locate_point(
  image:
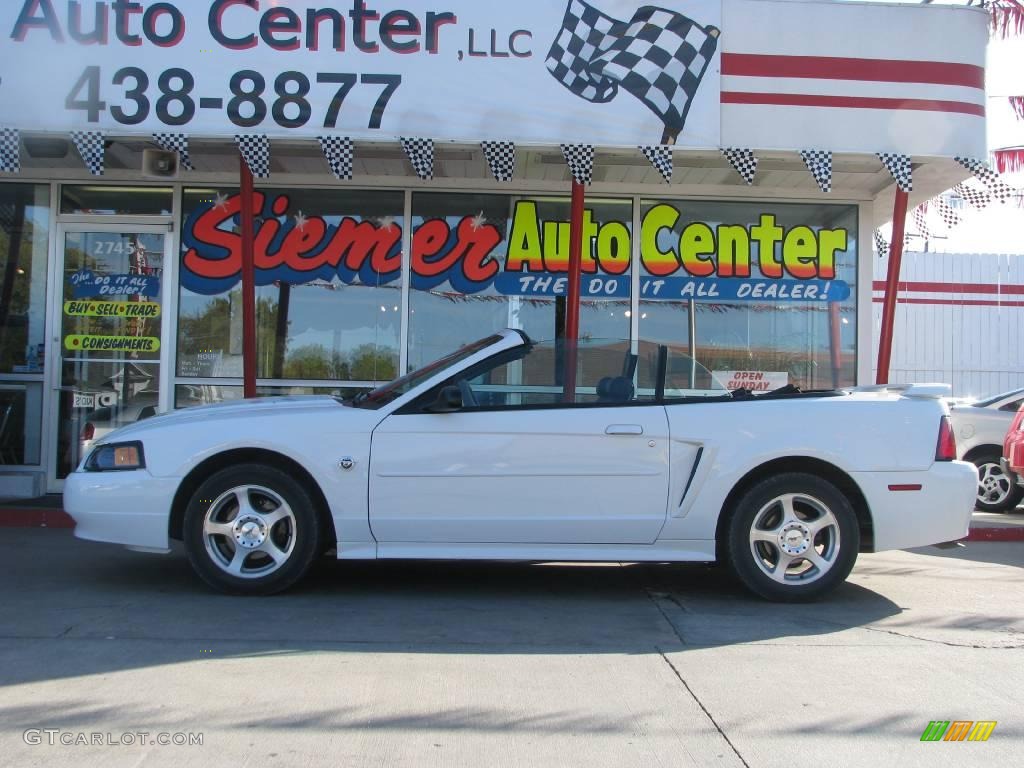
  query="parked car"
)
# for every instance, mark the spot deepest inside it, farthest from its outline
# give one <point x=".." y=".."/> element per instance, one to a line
<point x="492" y="453"/>
<point x="1013" y="451"/>
<point x="980" y="427"/>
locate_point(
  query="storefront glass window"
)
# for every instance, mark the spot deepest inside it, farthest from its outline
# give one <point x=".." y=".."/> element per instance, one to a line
<point x="769" y="290"/>
<point x="24" y="232"/>
<point x="111" y="200"/>
<point x="328" y="277"/>
<point x="481" y="263"/>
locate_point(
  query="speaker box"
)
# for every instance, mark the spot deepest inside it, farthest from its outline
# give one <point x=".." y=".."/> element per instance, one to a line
<point x="158" y="164"/>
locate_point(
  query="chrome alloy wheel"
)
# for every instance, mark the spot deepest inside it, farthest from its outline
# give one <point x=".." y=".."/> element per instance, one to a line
<point x="994" y="486"/>
<point x="249" y="531"/>
<point x="795" y="539"/>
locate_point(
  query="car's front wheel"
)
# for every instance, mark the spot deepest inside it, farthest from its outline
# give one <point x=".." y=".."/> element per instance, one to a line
<point x="251" y="529"/>
<point x="792" y="537"/>
<point x="996" y="490"/>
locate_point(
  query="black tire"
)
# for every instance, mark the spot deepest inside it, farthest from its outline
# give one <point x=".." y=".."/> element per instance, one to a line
<point x="295" y="539"/>
<point x="996" y="491"/>
<point x="836" y="545"/>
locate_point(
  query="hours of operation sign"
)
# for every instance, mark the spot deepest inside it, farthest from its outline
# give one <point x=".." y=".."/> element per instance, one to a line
<point x="538" y="71"/>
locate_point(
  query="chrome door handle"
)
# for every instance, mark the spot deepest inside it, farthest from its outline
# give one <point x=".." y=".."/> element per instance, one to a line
<point x="624" y="429"/>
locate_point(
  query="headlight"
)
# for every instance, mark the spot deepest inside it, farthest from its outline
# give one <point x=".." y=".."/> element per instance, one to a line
<point x="116" y="456"/>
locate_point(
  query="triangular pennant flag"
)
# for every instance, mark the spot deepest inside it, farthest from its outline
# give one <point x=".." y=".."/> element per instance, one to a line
<point x="91" y="147"/>
<point x="501" y="157"/>
<point x="255" y="150"/>
<point x="880" y="245"/>
<point x="175" y="142"/>
<point x="421" y="154"/>
<point x="10" y="150"/>
<point x="743" y="161"/>
<point x="921" y="221"/>
<point x="899" y="167"/>
<point x="660" y="156"/>
<point x="580" y="159"/>
<point x="977" y="198"/>
<point x="819" y="163"/>
<point x="949" y="217"/>
<point x="999" y="188"/>
<point x="340" y="154"/>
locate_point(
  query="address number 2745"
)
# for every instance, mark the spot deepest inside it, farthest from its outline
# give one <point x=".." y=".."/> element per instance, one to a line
<point x="252" y="97"/>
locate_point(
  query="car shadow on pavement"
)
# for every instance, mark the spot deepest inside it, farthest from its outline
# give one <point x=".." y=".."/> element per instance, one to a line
<point x="61" y="589"/>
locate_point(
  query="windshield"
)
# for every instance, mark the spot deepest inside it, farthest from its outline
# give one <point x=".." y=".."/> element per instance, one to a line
<point x="381" y="396"/>
<point x="996" y="398"/>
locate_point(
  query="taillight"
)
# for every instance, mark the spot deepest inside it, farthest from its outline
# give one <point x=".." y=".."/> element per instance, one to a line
<point x="88" y="431"/>
<point x="945" y="449"/>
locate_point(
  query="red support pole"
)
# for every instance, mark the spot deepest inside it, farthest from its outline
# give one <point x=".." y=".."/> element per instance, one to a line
<point x="892" y="280"/>
<point x="572" y="303"/>
<point x="248" y="283"/>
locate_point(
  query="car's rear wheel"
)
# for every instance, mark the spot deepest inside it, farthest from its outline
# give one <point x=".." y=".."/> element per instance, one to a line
<point x="996" y="490"/>
<point x="792" y="537"/>
<point x="251" y="529"/>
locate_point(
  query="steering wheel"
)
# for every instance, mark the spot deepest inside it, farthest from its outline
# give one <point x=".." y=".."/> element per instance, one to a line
<point x="468" y="398"/>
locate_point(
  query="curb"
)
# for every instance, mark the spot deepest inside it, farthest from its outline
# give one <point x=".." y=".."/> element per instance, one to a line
<point x="13" y="517"/>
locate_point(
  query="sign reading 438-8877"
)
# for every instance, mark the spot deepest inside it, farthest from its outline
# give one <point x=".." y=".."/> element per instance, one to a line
<point x="609" y="72"/>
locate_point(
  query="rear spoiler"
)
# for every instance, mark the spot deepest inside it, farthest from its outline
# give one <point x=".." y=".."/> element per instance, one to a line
<point x="934" y="391"/>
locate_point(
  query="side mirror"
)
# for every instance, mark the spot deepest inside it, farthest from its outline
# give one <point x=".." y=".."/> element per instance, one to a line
<point x="449" y="399"/>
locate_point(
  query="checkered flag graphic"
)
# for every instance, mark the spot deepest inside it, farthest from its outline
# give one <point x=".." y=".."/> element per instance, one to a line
<point x="1000" y="190"/>
<point x="899" y="167"/>
<point x="659" y="56"/>
<point x="949" y="217"/>
<point x="91" y="148"/>
<point x="881" y="245"/>
<point x="743" y="161"/>
<point x="255" y="150"/>
<point x="977" y="198"/>
<point x="660" y="156"/>
<point x="10" y="150"/>
<point x="175" y="142"/>
<point x="580" y="159"/>
<point x="920" y="216"/>
<point x="819" y="163"/>
<point x="340" y="154"/>
<point x="421" y="154"/>
<point x="501" y="157"/>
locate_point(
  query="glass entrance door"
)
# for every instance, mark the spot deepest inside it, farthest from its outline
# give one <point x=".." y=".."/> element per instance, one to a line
<point x="110" y="338"/>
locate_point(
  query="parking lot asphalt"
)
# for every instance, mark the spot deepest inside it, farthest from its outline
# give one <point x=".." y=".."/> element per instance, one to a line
<point x="470" y="664"/>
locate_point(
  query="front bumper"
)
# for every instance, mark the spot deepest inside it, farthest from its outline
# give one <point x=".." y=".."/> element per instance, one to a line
<point x="1014" y="477"/>
<point x="939" y="511"/>
<point x="131" y="508"/>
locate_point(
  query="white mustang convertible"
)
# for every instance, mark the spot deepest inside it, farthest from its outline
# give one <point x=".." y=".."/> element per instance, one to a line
<point x="518" y="450"/>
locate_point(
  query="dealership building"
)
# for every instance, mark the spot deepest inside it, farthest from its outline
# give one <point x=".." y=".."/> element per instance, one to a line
<point x="414" y="167"/>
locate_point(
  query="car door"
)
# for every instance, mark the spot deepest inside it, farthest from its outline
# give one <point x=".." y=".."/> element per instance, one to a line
<point x="518" y="464"/>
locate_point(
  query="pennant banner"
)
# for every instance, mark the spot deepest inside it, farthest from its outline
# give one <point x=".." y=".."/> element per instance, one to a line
<point x="921" y="221"/>
<point x="880" y="245"/>
<point x="899" y="167"/>
<point x="580" y="159"/>
<point x="175" y="142"/>
<point x="340" y="154"/>
<point x="977" y="198"/>
<point x="949" y="217"/>
<point x="421" y="154"/>
<point x="501" y="157"/>
<point x="999" y="188"/>
<point x="819" y="163"/>
<point x="660" y="156"/>
<point x="255" y="150"/>
<point x="10" y="150"/>
<point x="743" y="161"/>
<point x="91" y="147"/>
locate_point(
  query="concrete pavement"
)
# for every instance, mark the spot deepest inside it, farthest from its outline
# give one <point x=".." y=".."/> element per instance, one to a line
<point x="507" y="664"/>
